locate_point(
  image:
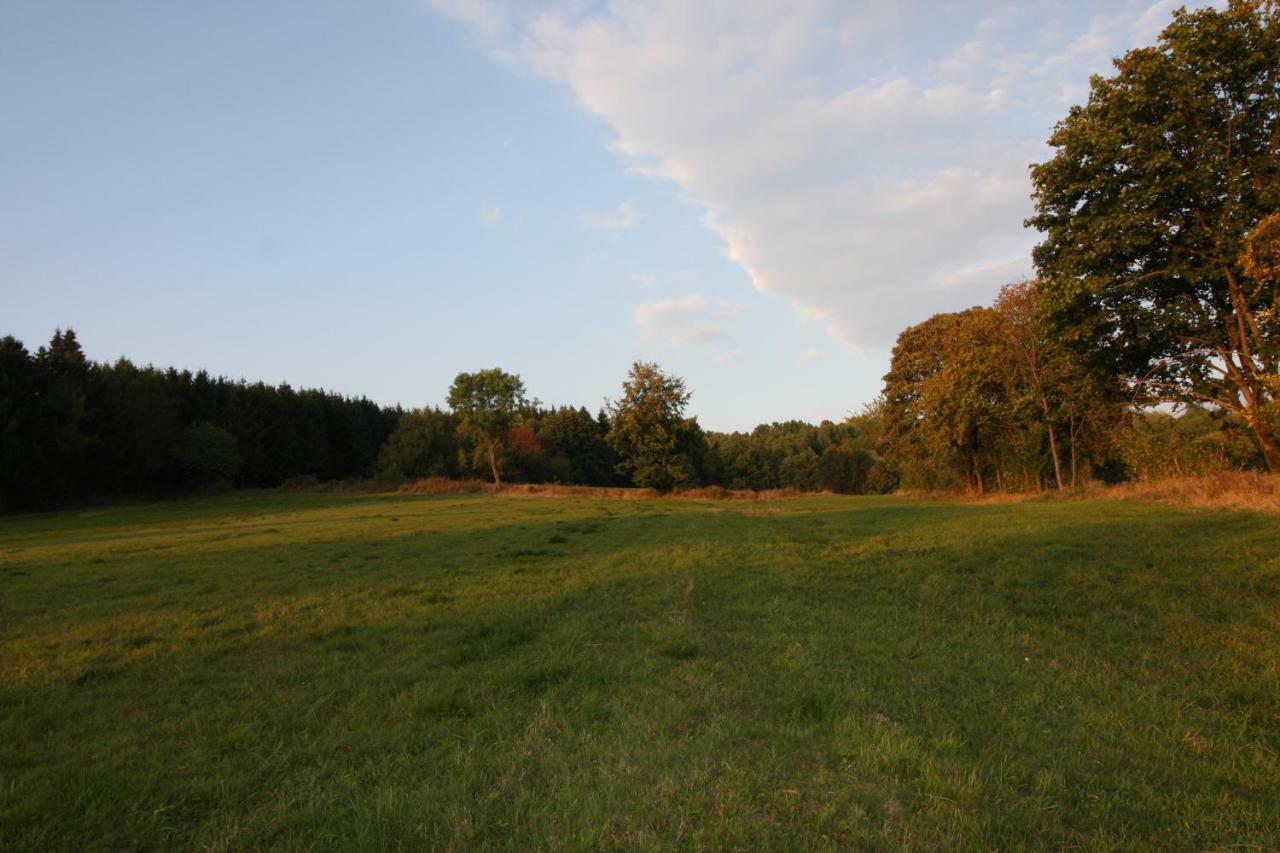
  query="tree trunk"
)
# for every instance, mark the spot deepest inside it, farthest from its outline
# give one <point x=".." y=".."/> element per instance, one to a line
<point x="1057" y="459"/>
<point x="1071" y="429"/>
<point x="1249" y="378"/>
<point x="493" y="464"/>
<point x="1266" y="436"/>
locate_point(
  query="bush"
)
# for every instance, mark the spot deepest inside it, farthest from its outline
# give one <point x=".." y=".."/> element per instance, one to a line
<point x="423" y="444"/>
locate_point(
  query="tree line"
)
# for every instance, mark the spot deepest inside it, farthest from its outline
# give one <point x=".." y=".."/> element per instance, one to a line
<point x="644" y="438"/>
<point x="73" y="431"/>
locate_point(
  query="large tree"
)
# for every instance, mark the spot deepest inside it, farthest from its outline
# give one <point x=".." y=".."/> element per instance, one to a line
<point x="946" y="398"/>
<point x="488" y="404"/>
<point x="1146" y="205"/>
<point x="649" y="431"/>
<point x="1049" y="383"/>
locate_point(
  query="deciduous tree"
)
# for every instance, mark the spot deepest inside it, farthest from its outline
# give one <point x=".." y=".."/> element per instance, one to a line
<point x="488" y="404"/>
<point x="1146" y="204"/>
<point x="648" y="429"/>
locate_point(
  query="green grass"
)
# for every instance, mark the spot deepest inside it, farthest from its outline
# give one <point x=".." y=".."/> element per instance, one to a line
<point x="302" y="670"/>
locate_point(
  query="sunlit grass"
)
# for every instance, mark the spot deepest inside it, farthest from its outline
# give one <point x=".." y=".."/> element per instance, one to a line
<point x="286" y="670"/>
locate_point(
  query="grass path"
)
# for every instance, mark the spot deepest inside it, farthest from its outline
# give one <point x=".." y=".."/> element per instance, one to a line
<point x="294" y="670"/>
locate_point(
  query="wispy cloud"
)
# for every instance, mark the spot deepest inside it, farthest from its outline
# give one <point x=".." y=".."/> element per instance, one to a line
<point x="692" y="319"/>
<point x="866" y="161"/>
<point x="620" y="219"/>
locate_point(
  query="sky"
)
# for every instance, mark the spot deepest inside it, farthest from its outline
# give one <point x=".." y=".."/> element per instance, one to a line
<point x="371" y="197"/>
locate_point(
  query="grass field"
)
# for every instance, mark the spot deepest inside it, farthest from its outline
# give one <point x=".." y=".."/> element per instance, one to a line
<point x="374" y="671"/>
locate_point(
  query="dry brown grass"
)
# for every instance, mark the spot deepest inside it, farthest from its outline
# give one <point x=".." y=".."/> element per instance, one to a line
<point x="1227" y="489"/>
<point x="971" y="498"/>
<point x="444" y="486"/>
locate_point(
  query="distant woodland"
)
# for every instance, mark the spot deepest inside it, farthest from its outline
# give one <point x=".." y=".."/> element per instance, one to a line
<point x="1146" y="347"/>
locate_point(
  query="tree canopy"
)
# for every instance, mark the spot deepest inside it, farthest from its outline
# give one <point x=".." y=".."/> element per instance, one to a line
<point x="488" y="404"/>
<point x="1146" y="206"/>
<point x="649" y="431"/>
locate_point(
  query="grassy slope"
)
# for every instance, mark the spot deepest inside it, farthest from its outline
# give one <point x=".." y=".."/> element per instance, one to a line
<point x="359" y="671"/>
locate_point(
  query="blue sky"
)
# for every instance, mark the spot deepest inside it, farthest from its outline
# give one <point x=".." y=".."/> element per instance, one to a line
<point x="371" y="197"/>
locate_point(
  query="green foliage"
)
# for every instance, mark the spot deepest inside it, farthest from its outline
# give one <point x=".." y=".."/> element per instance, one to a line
<point x="944" y="395"/>
<point x="488" y="403"/>
<point x="797" y="455"/>
<point x="1146" y="204"/>
<point x="207" y="456"/>
<point x="1157" y="445"/>
<point x="656" y="445"/>
<point x="989" y="398"/>
<point x="424" y="444"/>
<point x="577" y="451"/>
<point x="280" y="671"/>
<point x="73" y="431"/>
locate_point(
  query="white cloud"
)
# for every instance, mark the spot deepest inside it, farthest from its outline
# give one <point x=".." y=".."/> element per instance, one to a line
<point x="621" y="219"/>
<point x="692" y="319"/>
<point x="491" y="214"/>
<point x="865" y="161"/>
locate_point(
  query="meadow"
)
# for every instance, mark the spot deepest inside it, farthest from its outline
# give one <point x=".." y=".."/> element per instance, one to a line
<point x="300" y="670"/>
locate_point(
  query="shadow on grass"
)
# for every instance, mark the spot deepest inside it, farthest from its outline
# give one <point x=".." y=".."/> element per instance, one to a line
<point x="1072" y="673"/>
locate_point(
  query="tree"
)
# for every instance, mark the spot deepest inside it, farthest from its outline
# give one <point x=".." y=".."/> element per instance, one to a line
<point x="580" y="453"/>
<point x="1145" y="208"/>
<point x="207" y="455"/>
<point x="945" y="395"/>
<point x="488" y="404"/>
<point x="64" y="426"/>
<point x="23" y="464"/>
<point x="424" y="444"/>
<point x="1049" y="383"/>
<point x="648" y="429"/>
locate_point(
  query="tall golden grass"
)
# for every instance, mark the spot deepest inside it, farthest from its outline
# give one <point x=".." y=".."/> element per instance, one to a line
<point x="1226" y="489"/>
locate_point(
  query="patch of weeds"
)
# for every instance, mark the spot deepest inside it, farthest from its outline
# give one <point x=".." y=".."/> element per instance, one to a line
<point x="558" y="539"/>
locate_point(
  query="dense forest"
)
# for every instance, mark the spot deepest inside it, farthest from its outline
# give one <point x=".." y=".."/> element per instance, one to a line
<point x="1147" y="346"/>
<point x="75" y="431"/>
